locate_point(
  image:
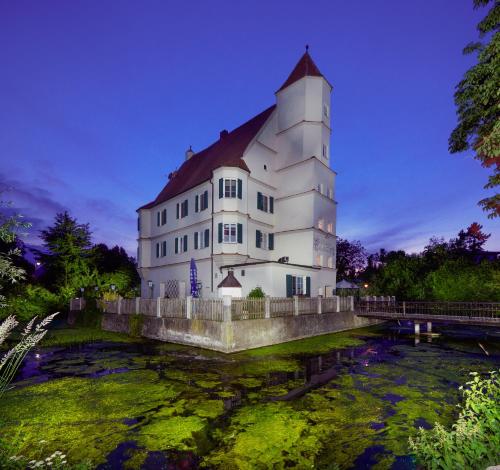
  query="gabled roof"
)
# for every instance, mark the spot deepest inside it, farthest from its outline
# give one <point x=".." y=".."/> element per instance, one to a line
<point x="229" y="281"/>
<point x="227" y="151"/>
<point x="305" y="67"/>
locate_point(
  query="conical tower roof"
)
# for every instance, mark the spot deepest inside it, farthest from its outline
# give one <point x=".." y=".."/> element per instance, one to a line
<point x="305" y="67"/>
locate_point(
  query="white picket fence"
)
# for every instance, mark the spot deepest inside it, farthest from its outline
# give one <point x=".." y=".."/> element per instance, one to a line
<point x="228" y="309"/>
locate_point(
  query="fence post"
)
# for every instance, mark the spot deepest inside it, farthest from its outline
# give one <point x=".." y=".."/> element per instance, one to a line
<point x="351" y="303"/>
<point x="226" y="307"/>
<point x="337" y="303"/>
<point x="80" y="308"/>
<point x="158" y="307"/>
<point x="404" y="308"/>
<point x="295" y="305"/>
<point x="137" y="305"/>
<point x="319" y="304"/>
<point x="119" y="305"/>
<point x="189" y="298"/>
<point x="267" y="307"/>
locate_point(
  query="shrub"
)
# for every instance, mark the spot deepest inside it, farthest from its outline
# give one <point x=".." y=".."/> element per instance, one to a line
<point x="33" y="301"/>
<point x="256" y="293"/>
<point x="474" y="440"/>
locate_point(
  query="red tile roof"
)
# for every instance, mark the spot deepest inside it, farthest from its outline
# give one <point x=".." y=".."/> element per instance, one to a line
<point x="227" y="151"/>
<point x="305" y="67"/>
<point x="229" y="281"/>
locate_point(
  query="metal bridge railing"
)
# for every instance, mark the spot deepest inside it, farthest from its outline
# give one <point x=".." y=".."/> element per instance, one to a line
<point x="451" y="309"/>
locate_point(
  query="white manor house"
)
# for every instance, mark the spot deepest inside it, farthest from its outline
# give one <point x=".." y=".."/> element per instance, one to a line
<point x="255" y="208"/>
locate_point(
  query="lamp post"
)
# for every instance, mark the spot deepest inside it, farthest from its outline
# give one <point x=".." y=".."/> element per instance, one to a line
<point x="150" y="285"/>
<point x="82" y="290"/>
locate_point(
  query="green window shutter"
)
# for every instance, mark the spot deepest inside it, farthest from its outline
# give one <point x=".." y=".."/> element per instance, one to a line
<point x="240" y="233"/>
<point x="260" y="204"/>
<point x="196" y="203"/>
<point x="258" y="238"/>
<point x="207" y="237"/>
<point x="176" y="245"/>
<point x="185" y="242"/>
<point x="271" y="241"/>
<point x="308" y="286"/>
<point x="195" y="240"/>
<point x="289" y="285"/>
<point x="271" y="205"/>
<point x="220" y="232"/>
<point x="240" y="189"/>
<point x="221" y="188"/>
<point x="177" y="211"/>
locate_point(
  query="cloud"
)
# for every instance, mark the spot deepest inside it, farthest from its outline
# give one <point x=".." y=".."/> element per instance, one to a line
<point x="110" y="223"/>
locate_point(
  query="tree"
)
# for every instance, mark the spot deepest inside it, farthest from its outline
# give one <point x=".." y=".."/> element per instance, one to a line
<point x="67" y="243"/>
<point x="10" y="270"/>
<point x="476" y="100"/>
<point x="471" y="240"/>
<point x="351" y="258"/>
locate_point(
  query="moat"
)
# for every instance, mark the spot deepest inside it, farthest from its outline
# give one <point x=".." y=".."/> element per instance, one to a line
<point x="346" y="400"/>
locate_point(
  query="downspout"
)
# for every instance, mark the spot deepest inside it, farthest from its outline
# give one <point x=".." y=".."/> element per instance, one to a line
<point x="212" y="244"/>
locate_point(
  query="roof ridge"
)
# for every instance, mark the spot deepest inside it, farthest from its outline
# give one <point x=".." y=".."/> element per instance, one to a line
<point x="228" y="150"/>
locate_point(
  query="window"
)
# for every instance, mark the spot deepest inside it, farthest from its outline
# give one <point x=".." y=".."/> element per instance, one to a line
<point x="329" y="227"/>
<point x="330" y="193"/>
<point x="230" y="188"/>
<point x="158" y="219"/>
<point x="139" y="223"/>
<point x="325" y="151"/>
<point x="181" y="244"/>
<point x="184" y="208"/>
<point x="265" y="203"/>
<point x="203" y="201"/>
<point x="164" y="216"/>
<point x="242" y="272"/>
<point x="330" y="262"/>
<point x="326" y="110"/>
<point x="265" y="167"/>
<point x="157" y="250"/>
<point x="229" y="233"/>
<point x="298" y="285"/>
<point x="164" y="248"/>
<point x="202" y="239"/>
<point x="321" y="224"/>
<point x="264" y="240"/>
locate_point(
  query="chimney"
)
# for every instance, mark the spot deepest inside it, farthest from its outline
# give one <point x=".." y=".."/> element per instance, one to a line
<point x="189" y="153"/>
<point x="223" y="134"/>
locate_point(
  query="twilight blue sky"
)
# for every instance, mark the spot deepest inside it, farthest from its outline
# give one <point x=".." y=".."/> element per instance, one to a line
<point x="99" y="100"/>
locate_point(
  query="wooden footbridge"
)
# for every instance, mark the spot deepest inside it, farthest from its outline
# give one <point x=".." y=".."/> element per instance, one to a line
<point x="466" y="313"/>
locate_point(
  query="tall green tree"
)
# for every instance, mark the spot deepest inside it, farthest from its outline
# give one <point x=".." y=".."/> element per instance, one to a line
<point x="66" y="256"/>
<point x="477" y="99"/>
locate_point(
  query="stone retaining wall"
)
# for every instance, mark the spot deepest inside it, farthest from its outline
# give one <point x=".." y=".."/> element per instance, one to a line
<point x="238" y="335"/>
